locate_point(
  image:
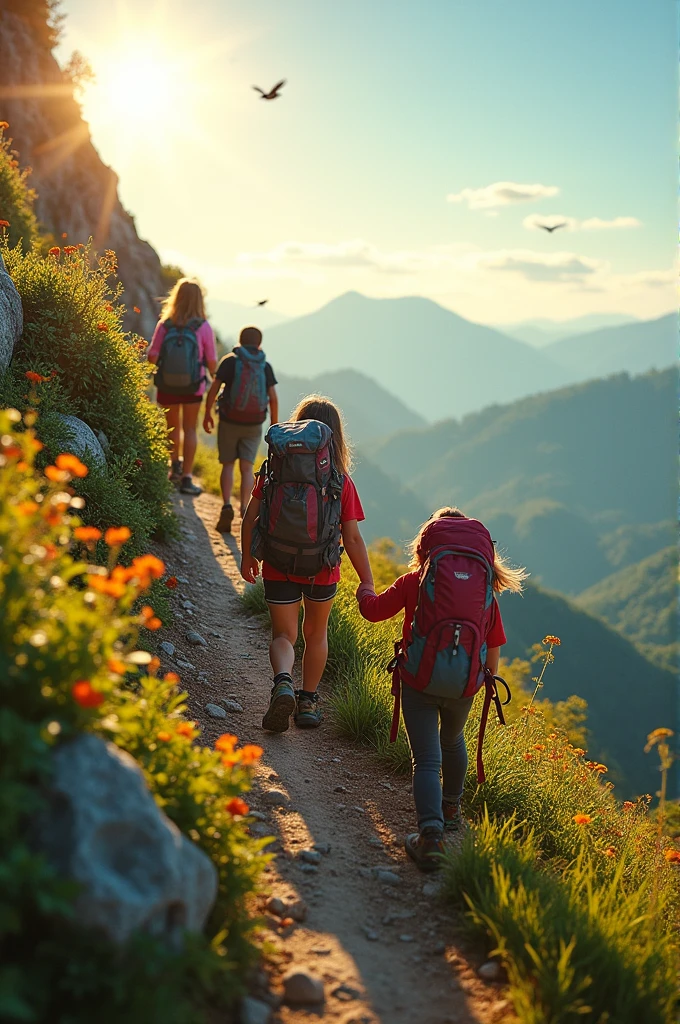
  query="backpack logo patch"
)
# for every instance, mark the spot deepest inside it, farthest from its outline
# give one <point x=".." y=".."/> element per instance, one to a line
<point x="295" y="444"/>
<point x="462" y="575"/>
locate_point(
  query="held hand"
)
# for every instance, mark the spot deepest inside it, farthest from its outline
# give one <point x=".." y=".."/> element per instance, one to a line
<point x="364" y="590"/>
<point x="208" y="423"/>
<point x="250" y="568"/>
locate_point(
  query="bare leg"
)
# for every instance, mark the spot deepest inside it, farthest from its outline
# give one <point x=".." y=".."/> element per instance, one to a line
<point x="247" y="483"/>
<point x="284" y="634"/>
<point x="315" y="632"/>
<point x="190" y="413"/>
<point x="172" y="419"/>
<point x="227" y="481"/>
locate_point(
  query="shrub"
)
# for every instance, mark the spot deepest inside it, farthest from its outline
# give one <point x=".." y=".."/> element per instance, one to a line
<point x="73" y="339"/>
<point x="16" y="198"/>
<point x="68" y="662"/>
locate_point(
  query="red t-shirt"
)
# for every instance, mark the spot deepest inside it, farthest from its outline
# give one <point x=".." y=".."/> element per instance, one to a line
<point x="404" y="594"/>
<point x="350" y="508"/>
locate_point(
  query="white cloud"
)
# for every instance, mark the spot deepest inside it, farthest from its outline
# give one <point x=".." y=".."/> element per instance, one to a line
<point x="354" y="253"/>
<point x="558" y="267"/>
<point x="502" y="193"/>
<point x="534" y="222"/>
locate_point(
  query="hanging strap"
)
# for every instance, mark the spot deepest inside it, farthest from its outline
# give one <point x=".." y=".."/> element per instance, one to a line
<point x="393" y="667"/>
<point x="490" y="694"/>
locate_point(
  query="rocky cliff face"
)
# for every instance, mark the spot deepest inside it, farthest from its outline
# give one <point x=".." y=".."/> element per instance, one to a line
<point x="77" y="192"/>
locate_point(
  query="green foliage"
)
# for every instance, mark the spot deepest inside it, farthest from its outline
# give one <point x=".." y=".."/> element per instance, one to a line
<point x="73" y="337"/>
<point x="68" y="663"/>
<point x="16" y="199"/>
<point x="170" y="275"/>
<point x="207" y="467"/>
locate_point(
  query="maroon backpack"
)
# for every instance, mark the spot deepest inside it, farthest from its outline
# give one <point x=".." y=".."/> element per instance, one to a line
<point x="447" y="653"/>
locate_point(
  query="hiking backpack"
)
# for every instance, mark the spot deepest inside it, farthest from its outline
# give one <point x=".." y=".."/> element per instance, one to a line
<point x="447" y="653"/>
<point x="246" y="400"/>
<point x="298" y="531"/>
<point x="179" y="370"/>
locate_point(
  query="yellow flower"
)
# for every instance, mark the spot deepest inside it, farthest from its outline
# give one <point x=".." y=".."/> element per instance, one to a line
<point x="657" y="736"/>
<point x="672" y="856"/>
<point x="553" y="640"/>
<point x="582" y="819"/>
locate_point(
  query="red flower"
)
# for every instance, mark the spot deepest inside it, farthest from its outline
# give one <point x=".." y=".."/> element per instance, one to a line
<point x="3" y="125"/>
<point x="64" y="234"/>
<point x="135" y="309"/>
<point x="54" y="251"/>
<point x="84" y="694"/>
<point x="35" y="378"/>
<point x="171" y="582"/>
<point x="101" y="326"/>
<point x="70" y="249"/>
<point x="4" y="223"/>
<point x="138" y="462"/>
<point x="237" y="806"/>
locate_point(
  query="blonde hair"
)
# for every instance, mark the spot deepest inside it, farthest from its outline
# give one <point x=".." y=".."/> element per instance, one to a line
<point x="316" y="407"/>
<point x="505" y="577"/>
<point x="185" y="302"/>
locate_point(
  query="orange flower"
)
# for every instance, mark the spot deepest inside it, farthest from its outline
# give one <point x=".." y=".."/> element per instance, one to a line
<point x="11" y="450"/>
<point x="539" y="746"/>
<point x="171" y="582"/>
<point x="55" y="250"/>
<point x="237" y="806"/>
<point x="153" y="624"/>
<point x="599" y="768"/>
<point x="101" y="326"/>
<point x="64" y="234"/>
<point x="87" y="534"/>
<point x="114" y="665"/>
<point x="70" y="249"/>
<point x="57" y="476"/>
<point x="108" y="307"/>
<point x="553" y="640"/>
<point x="610" y="852"/>
<point x="136" y="309"/>
<point x="582" y="819"/>
<point x="35" y="378"/>
<point x="147" y="565"/>
<point x="153" y="666"/>
<point x="147" y="612"/>
<point x="26" y="508"/>
<point x="3" y="125"/>
<point x="72" y="464"/>
<point x="672" y="856"/>
<point x="226" y="742"/>
<point x="578" y="751"/>
<point x="251" y="753"/>
<point x="4" y="223"/>
<point x="84" y="694"/>
<point x="171" y="677"/>
<point x="186" y="729"/>
<point x="106" y="585"/>
<point x="117" y="535"/>
<point x="164" y="737"/>
<point x="628" y="805"/>
<point x="528" y="757"/>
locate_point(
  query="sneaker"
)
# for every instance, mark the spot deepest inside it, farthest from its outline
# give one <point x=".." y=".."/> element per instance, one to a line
<point x="424" y="848"/>
<point x="281" y="705"/>
<point x="453" y="820"/>
<point x="175" y="471"/>
<point x="225" y="520"/>
<point x="308" y="713"/>
<point x="187" y="486"/>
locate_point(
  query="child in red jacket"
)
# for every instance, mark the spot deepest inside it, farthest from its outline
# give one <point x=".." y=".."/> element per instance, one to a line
<point x="434" y="724"/>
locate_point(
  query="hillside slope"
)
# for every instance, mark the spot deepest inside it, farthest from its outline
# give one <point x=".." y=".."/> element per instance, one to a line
<point x="77" y="192"/>
<point x="631" y="348"/>
<point x="627" y="696"/>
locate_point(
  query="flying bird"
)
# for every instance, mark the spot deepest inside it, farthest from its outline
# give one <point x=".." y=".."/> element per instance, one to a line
<point x="553" y="227"/>
<point x="262" y="302"/>
<point x="273" y="94"/>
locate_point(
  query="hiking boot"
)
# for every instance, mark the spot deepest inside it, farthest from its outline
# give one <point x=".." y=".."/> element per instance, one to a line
<point x="225" y="520"/>
<point x="281" y="705"/>
<point x="424" y="848"/>
<point x="175" y="471"/>
<point x="187" y="486"/>
<point x="453" y="820"/>
<point x="308" y="713"/>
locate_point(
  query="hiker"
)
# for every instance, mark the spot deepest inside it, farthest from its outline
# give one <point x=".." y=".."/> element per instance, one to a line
<point x="182" y="347"/>
<point x="304" y="503"/>
<point x="450" y="648"/>
<point x="248" y="390"/>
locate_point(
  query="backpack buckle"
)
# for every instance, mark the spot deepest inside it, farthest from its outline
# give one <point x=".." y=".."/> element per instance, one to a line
<point x="456" y="638"/>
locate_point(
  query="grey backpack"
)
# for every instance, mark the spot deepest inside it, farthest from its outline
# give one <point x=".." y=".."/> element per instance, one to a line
<point x="179" y="369"/>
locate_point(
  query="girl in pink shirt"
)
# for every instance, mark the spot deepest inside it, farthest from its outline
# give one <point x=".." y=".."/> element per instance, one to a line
<point x="183" y="304"/>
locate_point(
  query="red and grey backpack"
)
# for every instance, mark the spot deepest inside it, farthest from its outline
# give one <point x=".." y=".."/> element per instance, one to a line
<point x="447" y="653"/>
<point x="245" y="401"/>
<point x="298" y="531"/>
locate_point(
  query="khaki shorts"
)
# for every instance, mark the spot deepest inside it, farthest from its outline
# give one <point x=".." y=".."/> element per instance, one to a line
<point x="238" y="441"/>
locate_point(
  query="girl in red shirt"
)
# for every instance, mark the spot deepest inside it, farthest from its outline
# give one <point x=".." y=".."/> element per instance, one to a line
<point x="284" y="593"/>
<point x="435" y="725"/>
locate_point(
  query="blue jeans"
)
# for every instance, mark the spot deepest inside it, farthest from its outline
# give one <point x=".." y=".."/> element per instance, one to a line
<point x="434" y="726"/>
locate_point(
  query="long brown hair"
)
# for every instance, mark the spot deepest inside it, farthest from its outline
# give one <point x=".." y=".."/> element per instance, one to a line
<point x="505" y="576"/>
<point x="185" y="302"/>
<point x="316" y="407"/>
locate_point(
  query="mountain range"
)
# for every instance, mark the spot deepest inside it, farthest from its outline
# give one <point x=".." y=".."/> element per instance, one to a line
<point x="542" y="332"/>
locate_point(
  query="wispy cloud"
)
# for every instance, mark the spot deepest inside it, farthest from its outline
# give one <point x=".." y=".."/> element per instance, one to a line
<point x="538" y="266"/>
<point x="501" y="193"/>
<point x="535" y="221"/>
<point x="353" y="253"/>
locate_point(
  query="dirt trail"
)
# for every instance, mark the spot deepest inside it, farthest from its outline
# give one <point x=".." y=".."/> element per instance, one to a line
<point x="385" y="948"/>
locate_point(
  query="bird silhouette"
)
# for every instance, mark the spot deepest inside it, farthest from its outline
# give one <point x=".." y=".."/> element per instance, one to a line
<point x="262" y="302"/>
<point x="273" y="94"/>
<point x="553" y="227"/>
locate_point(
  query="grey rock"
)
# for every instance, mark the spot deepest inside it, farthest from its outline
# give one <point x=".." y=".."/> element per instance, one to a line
<point x="260" y="830"/>
<point x="189" y="605"/>
<point x="254" y="1011"/>
<point x="345" y="993"/>
<point x="340" y="789"/>
<point x="370" y="934"/>
<point x="359" y="810"/>
<point x="195" y="639"/>
<point x="258" y="815"/>
<point x="309" y="856"/>
<point x="374" y="841"/>
<point x="406" y="938"/>
<point x="11" y="317"/>
<point x="233" y="705"/>
<point x="297" y="910"/>
<point x="215" y="711"/>
<point x="431" y="888"/>
<point x="385" y="876"/>
<point x="490" y="971"/>
<point x="167" y="648"/>
<point x="183" y="580"/>
<point x="102" y="828"/>
<point x="301" y="987"/>
<point x="324" y="848"/>
<point x="273" y="797"/>
<point x="275" y="906"/>
<point x="82" y="441"/>
<point x="309" y="869"/>
<point x="182" y="663"/>
<point x="321" y="950"/>
<point x="398" y="915"/>
<point x="104" y="441"/>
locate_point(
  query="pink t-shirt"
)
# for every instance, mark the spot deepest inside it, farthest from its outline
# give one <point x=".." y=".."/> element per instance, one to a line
<point x="207" y="353"/>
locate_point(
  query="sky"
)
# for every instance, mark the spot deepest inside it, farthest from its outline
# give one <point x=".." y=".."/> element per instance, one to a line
<point x="413" y="150"/>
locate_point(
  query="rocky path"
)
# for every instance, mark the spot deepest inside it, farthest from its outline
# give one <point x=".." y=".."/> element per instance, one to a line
<point x="364" y="932"/>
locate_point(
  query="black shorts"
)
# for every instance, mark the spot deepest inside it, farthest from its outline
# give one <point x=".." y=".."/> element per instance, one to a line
<point x="288" y="592"/>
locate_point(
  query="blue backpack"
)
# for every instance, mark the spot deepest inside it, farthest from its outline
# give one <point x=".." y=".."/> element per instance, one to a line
<point x="179" y="369"/>
<point x="246" y="400"/>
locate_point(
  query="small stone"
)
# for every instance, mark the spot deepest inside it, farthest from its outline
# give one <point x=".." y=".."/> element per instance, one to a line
<point x="217" y="635"/>
<point x="259" y="829"/>
<point x="297" y="910"/>
<point x="398" y="915"/>
<point x="273" y="797"/>
<point x="254" y="1011"/>
<point x="323" y="848"/>
<point x="370" y="934"/>
<point x="337" y="760"/>
<point x="385" y="876"/>
<point x="167" y="648"/>
<point x="276" y="906"/>
<point x="406" y="938"/>
<point x="340" y="789"/>
<point x="189" y="605"/>
<point x="309" y="856"/>
<point x="387" y="785"/>
<point x="490" y="971"/>
<point x="195" y="639"/>
<point x="373" y="841"/>
<point x="257" y="815"/>
<point x="246" y="657"/>
<point x="359" y="810"/>
<point x="346" y="993"/>
<point x="431" y="889"/>
<point x="181" y="663"/>
<point x="302" y="987"/>
<point x="183" y="580"/>
<point x="215" y="711"/>
<point x="233" y="705"/>
<point x="309" y="869"/>
<point x="321" y="950"/>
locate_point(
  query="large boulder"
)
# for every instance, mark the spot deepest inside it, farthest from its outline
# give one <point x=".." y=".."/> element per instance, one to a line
<point x="102" y="828"/>
<point x="11" y="317"/>
<point x="83" y="441"/>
